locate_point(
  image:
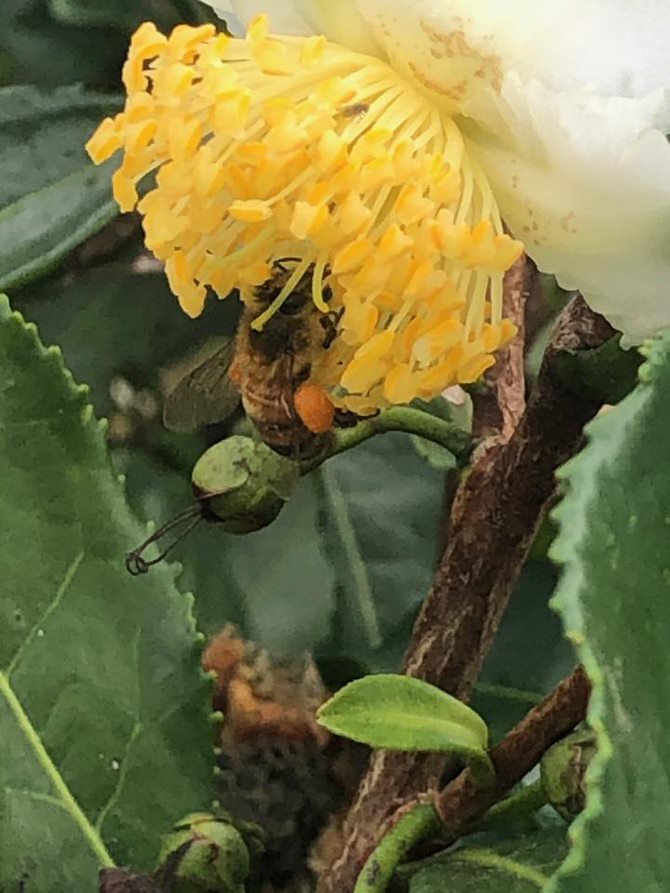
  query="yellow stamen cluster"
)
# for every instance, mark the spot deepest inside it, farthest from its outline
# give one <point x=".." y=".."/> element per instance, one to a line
<point x="266" y="148"/>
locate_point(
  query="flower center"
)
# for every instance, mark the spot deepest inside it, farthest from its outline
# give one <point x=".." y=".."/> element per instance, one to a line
<point x="267" y="148"/>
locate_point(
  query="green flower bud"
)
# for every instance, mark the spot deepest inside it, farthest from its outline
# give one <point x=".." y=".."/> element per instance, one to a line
<point x="243" y="483"/>
<point x="204" y="855"/>
<point x="562" y="770"/>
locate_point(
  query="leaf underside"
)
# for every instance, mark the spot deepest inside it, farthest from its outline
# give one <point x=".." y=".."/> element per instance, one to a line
<point x="614" y="599"/>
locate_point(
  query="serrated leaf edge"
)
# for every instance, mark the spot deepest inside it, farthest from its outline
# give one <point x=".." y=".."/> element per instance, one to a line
<point x="562" y="551"/>
<point x="98" y="427"/>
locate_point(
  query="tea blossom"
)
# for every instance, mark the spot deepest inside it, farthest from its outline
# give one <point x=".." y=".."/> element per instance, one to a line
<point x="382" y="144"/>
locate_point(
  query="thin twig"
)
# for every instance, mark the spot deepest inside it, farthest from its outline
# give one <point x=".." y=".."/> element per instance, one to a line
<point x="462" y="801"/>
<point x="414" y="824"/>
<point x="495" y="515"/>
<point x="398" y="418"/>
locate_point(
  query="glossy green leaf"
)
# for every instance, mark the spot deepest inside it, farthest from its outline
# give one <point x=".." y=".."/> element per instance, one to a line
<point x="51" y="196"/>
<point x="403" y="713"/>
<point x="614" y="598"/>
<point x="128" y="14"/>
<point x="103" y="708"/>
<point x="43" y="51"/>
<point x="487" y="864"/>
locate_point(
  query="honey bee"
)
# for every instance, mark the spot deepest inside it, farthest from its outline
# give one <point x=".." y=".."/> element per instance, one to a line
<point x="268" y="370"/>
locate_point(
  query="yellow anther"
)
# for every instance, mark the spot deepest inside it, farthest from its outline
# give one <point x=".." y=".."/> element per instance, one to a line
<point x="184" y="40"/>
<point x="147" y="42"/>
<point x="308" y="219"/>
<point x="133" y="76"/>
<point x="105" y="141"/>
<point x="313" y="50"/>
<point x="250" y="211"/>
<point x="474" y="368"/>
<point x="359" y="322"/>
<point x="353" y="214"/>
<point x="124" y="191"/>
<point x="393" y="243"/>
<point x="255" y="155"/>
<point x="412" y="206"/>
<point x="351" y="255"/>
<point x="433" y="342"/>
<point x="400" y="384"/>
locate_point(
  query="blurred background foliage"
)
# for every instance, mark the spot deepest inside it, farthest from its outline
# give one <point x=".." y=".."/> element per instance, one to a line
<point x="343" y="571"/>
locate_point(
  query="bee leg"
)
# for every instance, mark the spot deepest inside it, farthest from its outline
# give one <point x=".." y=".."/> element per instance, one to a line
<point x="330" y="322"/>
<point x="345" y="418"/>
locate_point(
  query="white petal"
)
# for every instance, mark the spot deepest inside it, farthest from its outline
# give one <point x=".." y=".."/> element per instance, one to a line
<point x="339" y="20"/>
<point x="284" y="16"/>
<point x="611" y="47"/>
<point x="586" y="186"/>
<point x="570" y="102"/>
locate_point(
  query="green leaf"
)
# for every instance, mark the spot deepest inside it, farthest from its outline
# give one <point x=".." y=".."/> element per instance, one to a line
<point x="614" y="598"/>
<point x="113" y="321"/>
<point x="404" y="713"/>
<point x="276" y="584"/>
<point x="124" y="14"/>
<point x="529" y="655"/>
<point x="487" y="864"/>
<point x="128" y="14"/>
<point x="51" y="196"/>
<point x="342" y="570"/>
<point x="381" y="511"/>
<point x="103" y="707"/>
<point x="46" y="52"/>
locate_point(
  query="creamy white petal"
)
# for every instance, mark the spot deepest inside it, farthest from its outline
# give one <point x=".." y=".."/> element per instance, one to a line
<point x="610" y="47"/>
<point x="585" y="183"/>
<point x="339" y="20"/>
<point x="284" y="16"/>
<point x="568" y="106"/>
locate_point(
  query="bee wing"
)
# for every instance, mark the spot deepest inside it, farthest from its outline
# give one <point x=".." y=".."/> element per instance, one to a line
<point x="203" y="396"/>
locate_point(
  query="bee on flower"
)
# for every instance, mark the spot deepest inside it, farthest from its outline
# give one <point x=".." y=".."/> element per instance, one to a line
<point x="381" y="145"/>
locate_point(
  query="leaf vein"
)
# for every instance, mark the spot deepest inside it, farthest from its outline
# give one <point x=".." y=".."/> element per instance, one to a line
<point x="58" y="597"/>
<point x="123" y="772"/>
<point x="359" y="572"/>
<point x="491" y="859"/>
<point x="52" y="773"/>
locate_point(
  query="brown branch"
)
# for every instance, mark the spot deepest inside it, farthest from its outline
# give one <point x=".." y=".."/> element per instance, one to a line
<point x="497" y="412"/>
<point x="495" y="515"/>
<point x="461" y="802"/>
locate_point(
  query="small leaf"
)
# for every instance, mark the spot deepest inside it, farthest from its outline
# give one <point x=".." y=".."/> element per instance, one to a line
<point x="614" y="599"/>
<point x="51" y="196"/>
<point x="103" y="706"/>
<point x="404" y="713"/>
<point x="488" y="864"/>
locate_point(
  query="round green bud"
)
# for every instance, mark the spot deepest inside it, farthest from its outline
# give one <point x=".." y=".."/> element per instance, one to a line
<point x="243" y="483"/>
<point x="562" y="771"/>
<point x="204" y="855"/>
